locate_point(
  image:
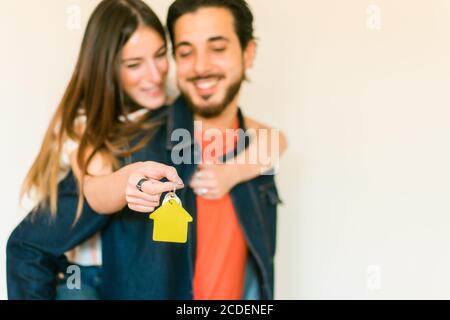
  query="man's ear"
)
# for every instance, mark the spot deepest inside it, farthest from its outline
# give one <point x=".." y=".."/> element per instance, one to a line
<point x="250" y="54"/>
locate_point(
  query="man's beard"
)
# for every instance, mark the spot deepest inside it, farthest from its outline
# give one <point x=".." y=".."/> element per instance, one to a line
<point x="215" y="110"/>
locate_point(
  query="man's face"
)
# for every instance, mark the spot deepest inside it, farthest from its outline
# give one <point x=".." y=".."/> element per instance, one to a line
<point x="210" y="61"/>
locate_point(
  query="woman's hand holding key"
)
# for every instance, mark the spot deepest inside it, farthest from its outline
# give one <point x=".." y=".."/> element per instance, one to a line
<point x="144" y="188"/>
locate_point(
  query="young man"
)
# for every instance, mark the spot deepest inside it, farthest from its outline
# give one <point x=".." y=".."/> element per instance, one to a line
<point x="231" y="245"/>
<point x="214" y="45"/>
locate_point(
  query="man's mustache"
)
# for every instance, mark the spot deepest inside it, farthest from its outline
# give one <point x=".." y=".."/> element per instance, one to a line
<point x="206" y="77"/>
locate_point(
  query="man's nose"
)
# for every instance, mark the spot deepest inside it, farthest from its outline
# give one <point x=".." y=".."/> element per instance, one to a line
<point x="202" y="63"/>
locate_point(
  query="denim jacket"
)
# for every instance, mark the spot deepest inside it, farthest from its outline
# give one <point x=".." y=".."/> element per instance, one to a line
<point x="134" y="266"/>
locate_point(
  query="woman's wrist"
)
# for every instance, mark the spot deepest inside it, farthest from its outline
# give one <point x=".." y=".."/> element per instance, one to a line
<point x="238" y="173"/>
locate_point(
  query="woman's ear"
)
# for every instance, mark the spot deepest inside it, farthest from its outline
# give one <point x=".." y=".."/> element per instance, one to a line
<point x="250" y="54"/>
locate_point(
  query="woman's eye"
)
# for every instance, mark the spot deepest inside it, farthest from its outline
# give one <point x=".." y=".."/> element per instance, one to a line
<point x="219" y="49"/>
<point x="161" y="55"/>
<point x="133" y="66"/>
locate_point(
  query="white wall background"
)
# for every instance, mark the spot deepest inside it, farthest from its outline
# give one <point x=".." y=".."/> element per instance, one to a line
<point x="366" y="182"/>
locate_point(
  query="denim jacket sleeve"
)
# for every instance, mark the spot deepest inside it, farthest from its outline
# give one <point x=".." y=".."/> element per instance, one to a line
<point x="35" y="249"/>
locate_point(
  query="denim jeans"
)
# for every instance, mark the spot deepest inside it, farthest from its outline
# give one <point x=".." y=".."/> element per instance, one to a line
<point x="89" y="286"/>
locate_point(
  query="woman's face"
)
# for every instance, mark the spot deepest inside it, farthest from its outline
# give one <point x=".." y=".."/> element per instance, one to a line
<point x="144" y="67"/>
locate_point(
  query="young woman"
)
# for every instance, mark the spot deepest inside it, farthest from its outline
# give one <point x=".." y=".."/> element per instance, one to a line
<point x="111" y="101"/>
<point x="117" y="82"/>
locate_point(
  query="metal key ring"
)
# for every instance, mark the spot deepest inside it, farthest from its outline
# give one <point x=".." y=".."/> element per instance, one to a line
<point x="171" y="196"/>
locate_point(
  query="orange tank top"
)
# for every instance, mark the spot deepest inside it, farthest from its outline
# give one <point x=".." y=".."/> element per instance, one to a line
<point x="221" y="246"/>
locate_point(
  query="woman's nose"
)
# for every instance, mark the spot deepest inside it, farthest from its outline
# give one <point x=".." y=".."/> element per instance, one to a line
<point x="153" y="74"/>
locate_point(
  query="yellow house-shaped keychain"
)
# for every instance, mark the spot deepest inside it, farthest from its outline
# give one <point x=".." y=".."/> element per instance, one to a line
<point x="171" y="222"/>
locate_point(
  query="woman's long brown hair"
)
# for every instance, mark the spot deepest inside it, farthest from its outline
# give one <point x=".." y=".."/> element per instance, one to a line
<point x="95" y="92"/>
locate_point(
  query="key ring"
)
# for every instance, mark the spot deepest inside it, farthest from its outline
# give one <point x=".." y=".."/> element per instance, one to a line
<point x="172" y="196"/>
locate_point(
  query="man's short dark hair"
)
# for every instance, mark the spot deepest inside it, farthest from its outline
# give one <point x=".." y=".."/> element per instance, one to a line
<point x="243" y="17"/>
